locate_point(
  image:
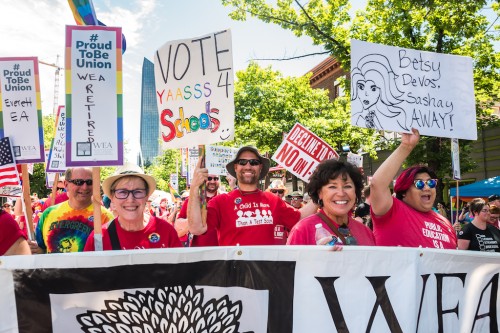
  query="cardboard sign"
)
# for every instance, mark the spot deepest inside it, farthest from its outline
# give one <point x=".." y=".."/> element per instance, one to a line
<point x="302" y="151"/>
<point x="21" y="108"/>
<point x="397" y="89"/>
<point x="94" y="124"/>
<point x="194" y="90"/>
<point x="217" y="157"/>
<point x="56" y="162"/>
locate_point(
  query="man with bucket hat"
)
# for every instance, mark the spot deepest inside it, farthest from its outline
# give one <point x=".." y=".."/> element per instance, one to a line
<point x="246" y="215"/>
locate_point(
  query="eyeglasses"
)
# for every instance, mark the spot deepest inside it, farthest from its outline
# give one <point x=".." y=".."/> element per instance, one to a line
<point x="80" y="182"/>
<point x="420" y="184"/>
<point x="212" y="178"/>
<point x="297" y="199"/>
<point x="278" y="191"/>
<point x="123" y="194"/>
<point x="253" y="162"/>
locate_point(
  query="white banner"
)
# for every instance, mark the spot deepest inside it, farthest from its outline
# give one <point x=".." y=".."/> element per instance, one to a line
<point x="21" y="108"/>
<point x="252" y="289"/>
<point x="397" y="89"/>
<point x="195" y="90"/>
<point x="301" y="151"/>
<point x="94" y="120"/>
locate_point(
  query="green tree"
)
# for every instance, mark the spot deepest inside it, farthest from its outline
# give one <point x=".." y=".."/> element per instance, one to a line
<point x="163" y="166"/>
<point x="268" y="105"/>
<point x="445" y="26"/>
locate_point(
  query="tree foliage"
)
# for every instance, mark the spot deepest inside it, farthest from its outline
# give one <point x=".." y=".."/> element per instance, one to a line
<point x="268" y="105"/>
<point x="165" y="165"/>
<point x="458" y="27"/>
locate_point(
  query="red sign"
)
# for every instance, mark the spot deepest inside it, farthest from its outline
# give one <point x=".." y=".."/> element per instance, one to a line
<point x="302" y="151"/>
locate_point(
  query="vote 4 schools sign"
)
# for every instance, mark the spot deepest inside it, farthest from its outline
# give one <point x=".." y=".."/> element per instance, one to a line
<point x="94" y="121"/>
<point x="259" y="289"/>
<point x="195" y="90"/>
<point x="301" y="151"/>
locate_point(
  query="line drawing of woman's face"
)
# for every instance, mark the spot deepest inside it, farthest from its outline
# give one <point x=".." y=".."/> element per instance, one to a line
<point x="368" y="93"/>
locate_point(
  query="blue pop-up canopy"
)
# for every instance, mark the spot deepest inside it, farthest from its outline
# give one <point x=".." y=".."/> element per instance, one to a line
<point x="481" y="189"/>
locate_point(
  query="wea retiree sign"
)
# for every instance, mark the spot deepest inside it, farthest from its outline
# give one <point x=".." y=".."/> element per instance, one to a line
<point x="94" y="123"/>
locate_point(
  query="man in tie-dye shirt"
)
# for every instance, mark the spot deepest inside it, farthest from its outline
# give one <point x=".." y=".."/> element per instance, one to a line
<point x="65" y="227"/>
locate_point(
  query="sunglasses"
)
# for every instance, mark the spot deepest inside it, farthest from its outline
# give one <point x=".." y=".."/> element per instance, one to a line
<point x="278" y="191"/>
<point x="420" y="184"/>
<point x="213" y="178"/>
<point x="80" y="182"/>
<point x="253" y="162"/>
<point x="123" y="194"/>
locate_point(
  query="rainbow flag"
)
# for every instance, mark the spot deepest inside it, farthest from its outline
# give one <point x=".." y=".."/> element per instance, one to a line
<point x="173" y="192"/>
<point x="84" y="14"/>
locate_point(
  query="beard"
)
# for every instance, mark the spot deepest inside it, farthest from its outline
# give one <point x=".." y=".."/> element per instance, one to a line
<point x="212" y="188"/>
<point x="248" y="180"/>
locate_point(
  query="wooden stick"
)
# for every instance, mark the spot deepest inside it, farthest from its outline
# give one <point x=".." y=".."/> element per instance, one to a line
<point x="203" y="188"/>
<point x="27" y="200"/>
<point x="96" y="200"/>
<point x="52" y="200"/>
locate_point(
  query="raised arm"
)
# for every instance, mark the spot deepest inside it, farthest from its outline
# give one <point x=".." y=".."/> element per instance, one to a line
<point x="196" y="223"/>
<point x="381" y="198"/>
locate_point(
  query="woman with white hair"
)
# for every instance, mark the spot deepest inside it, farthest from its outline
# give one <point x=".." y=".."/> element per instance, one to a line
<point x="129" y="190"/>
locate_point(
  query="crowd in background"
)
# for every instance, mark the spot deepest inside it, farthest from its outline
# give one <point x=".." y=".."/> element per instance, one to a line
<point x="338" y="209"/>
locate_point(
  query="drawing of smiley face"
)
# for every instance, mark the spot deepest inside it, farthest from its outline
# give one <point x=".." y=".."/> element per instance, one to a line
<point x="225" y="134"/>
<point x="368" y="93"/>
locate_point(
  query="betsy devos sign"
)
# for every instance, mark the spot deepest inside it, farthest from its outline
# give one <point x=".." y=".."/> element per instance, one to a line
<point x="252" y="289"/>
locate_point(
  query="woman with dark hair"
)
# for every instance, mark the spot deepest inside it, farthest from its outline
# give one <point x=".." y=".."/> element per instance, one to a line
<point x="479" y="235"/>
<point x="408" y="219"/>
<point x="336" y="186"/>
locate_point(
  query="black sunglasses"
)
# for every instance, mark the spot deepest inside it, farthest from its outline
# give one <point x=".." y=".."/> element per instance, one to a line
<point x="253" y="161"/>
<point x="80" y="182"/>
<point x="214" y="178"/>
<point x="278" y="191"/>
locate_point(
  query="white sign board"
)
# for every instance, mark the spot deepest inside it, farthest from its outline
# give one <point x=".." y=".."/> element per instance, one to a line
<point x="301" y="151"/>
<point x="397" y="89"/>
<point x="194" y="90"/>
<point x="355" y="159"/>
<point x="94" y="121"/>
<point x="217" y="157"/>
<point x="21" y="109"/>
<point x="56" y="161"/>
<point x="455" y="159"/>
<point x="174" y="181"/>
<point x="193" y="154"/>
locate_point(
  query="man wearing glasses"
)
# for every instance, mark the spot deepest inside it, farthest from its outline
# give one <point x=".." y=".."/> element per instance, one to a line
<point x="65" y="227"/>
<point x="246" y="215"/>
<point x="210" y="237"/>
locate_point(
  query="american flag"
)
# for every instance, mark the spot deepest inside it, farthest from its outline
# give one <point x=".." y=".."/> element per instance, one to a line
<point x="8" y="170"/>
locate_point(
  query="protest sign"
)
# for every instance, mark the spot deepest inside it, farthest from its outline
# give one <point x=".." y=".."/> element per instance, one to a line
<point x="94" y="123"/>
<point x="397" y="89"/>
<point x="216" y="158"/>
<point x="355" y="159"/>
<point x="194" y="90"/>
<point x="302" y="151"/>
<point x="174" y="181"/>
<point x="455" y="159"/>
<point x="21" y="108"/>
<point x="285" y="289"/>
<point x="56" y="162"/>
<point x="193" y="154"/>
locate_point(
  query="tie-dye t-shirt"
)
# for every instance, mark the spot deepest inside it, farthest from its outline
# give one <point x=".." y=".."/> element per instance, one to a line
<point x="63" y="229"/>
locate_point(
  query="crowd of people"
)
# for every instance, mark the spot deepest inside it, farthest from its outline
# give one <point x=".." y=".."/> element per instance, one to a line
<point x="337" y="203"/>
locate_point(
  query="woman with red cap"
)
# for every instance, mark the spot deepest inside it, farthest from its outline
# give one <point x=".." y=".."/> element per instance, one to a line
<point x="408" y="219"/>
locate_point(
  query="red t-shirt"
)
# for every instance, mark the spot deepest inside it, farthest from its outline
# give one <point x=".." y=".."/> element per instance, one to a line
<point x="304" y="232"/>
<point x="250" y="218"/>
<point x="157" y="234"/>
<point x="405" y="226"/>
<point x="9" y="232"/>
<point x="209" y="238"/>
